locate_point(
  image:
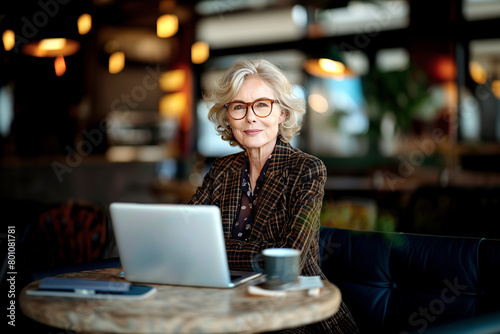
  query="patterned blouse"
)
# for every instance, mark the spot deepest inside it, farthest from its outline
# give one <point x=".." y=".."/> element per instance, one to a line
<point x="249" y="201"/>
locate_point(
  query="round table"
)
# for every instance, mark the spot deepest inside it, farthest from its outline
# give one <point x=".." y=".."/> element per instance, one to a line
<point x="180" y="309"/>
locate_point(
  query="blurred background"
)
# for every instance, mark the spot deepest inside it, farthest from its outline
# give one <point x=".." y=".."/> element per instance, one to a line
<point x="102" y="101"/>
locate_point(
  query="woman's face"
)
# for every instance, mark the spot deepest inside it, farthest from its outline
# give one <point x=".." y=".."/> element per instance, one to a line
<point x="251" y="131"/>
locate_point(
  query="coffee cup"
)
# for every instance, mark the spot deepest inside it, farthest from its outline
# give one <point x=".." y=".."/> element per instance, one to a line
<point x="281" y="267"/>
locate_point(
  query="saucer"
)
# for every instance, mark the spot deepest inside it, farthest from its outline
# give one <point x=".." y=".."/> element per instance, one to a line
<point x="275" y="286"/>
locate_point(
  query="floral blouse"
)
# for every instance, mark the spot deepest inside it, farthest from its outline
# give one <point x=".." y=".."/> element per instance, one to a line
<point x="249" y="201"/>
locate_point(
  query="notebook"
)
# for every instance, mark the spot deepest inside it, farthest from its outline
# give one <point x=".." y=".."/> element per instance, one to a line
<point x="173" y="244"/>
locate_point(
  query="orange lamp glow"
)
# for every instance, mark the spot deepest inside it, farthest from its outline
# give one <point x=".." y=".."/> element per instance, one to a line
<point x="167" y="25"/>
<point x="327" y="68"/>
<point x="477" y="73"/>
<point x="173" y="80"/>
<point x="51" y="47"/>
<point x="116" y="62"/>
<point x="200" y="51"/>
<point x="84" y="24"/>
<point x="173" y="105"/>
<point x="60" y="66"/>
<point x="331" y="66"/>
<point x="9" y="39"/>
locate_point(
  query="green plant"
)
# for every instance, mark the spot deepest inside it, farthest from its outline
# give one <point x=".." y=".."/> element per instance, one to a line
<point x="401" y="92"/>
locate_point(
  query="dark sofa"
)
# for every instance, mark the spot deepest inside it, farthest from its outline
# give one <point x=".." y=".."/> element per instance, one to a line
<point x="399" y="282"/>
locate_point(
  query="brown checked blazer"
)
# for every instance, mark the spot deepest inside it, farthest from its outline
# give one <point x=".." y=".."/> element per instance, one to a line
<point x="287" y="215"/>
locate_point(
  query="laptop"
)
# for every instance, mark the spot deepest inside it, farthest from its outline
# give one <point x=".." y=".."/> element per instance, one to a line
<point x="174" y="244"/>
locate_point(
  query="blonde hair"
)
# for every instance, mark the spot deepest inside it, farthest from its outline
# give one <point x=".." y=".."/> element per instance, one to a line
<point x="229" y="85"/>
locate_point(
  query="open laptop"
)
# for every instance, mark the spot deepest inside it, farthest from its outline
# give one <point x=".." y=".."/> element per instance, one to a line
<point x="173" y="244"/>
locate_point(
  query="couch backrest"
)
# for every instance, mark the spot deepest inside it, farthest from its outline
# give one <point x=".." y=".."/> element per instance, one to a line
<point x="397" y="282"/>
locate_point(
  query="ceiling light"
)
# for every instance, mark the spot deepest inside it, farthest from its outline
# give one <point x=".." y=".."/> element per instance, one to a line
<point x="52" y="44"/>
<point x="116" y="62"/>
<point x="167" y="25"/>
<point x="51" y="47"/>
<point x="173" y="80"/>
<point x="173" y="105"/>
<point x="330" y="64"/>
<point x="200" y="51"/>
<point x="9" y="39"/>
<point x="84" y="23"/>
<point x="327" y="68"/>
<point x="478" y="73"/>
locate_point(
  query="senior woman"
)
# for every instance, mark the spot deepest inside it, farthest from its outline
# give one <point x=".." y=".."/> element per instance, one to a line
<point x="270" y="194"/>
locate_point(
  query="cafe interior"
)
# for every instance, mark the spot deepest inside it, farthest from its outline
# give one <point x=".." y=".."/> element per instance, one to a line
<point x="101" y="101"/>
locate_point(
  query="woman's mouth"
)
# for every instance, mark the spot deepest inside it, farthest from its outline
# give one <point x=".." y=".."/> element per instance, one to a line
<point x="252" y="132"/>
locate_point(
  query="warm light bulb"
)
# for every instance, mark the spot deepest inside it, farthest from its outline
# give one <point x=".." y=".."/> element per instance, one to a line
<point x="200" y="51"/>
<point x="173" y="105"/>
<point x="318" y="103"/>
<point x="477" y="73"/>
<point x="52" y="44"/>
<point x="172" y="80"/>
<point x="167" y="25"/>
<point x="60" y="66"/>
<point x="9" y="39"/>
<point x="84" y="23"/>
<point x="116" y="62"/>
<point x="331" y="66"/>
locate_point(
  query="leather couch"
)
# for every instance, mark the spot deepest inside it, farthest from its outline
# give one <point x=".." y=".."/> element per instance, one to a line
<point x="401" y="283"/>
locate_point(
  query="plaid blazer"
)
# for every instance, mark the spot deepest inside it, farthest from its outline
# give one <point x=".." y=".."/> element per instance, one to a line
<point x="287" y="214"/>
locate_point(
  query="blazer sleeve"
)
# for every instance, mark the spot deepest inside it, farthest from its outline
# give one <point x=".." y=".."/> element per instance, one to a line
<point x="297" y="226"/>
<point x="204" y="193"/>
<point x="209" y="191"/>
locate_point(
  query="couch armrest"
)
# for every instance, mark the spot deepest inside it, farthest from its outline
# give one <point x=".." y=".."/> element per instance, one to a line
<point x="481" y="324"/>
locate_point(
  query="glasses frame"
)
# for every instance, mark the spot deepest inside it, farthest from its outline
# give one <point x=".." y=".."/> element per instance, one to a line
<point x="250" y="104"/>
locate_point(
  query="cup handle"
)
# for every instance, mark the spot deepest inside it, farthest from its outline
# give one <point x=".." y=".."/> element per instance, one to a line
<point x="256" y="263"/>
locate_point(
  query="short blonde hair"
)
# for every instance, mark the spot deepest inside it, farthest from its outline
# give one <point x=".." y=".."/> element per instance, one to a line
<point x="229" y="85"/>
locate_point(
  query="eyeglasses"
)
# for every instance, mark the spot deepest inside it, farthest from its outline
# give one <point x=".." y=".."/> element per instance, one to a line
<point x="261" y="108"/>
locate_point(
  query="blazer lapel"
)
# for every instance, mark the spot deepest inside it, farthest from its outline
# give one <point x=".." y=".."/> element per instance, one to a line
<point x="231" y="195"/>
<point x="274" y="185"/>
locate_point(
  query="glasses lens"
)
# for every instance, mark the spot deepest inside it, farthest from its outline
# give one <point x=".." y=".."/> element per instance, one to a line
<point x="262" y="108"/>
<point x="237" y="110"/>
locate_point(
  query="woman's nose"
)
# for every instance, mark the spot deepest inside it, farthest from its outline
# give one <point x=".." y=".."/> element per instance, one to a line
<point x="250" y="117"/>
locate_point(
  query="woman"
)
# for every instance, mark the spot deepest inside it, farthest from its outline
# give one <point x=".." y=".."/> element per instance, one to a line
<point x="270" y="195"/>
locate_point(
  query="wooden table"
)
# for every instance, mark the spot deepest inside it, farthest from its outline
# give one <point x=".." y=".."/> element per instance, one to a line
<point x="177" y="309"/>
